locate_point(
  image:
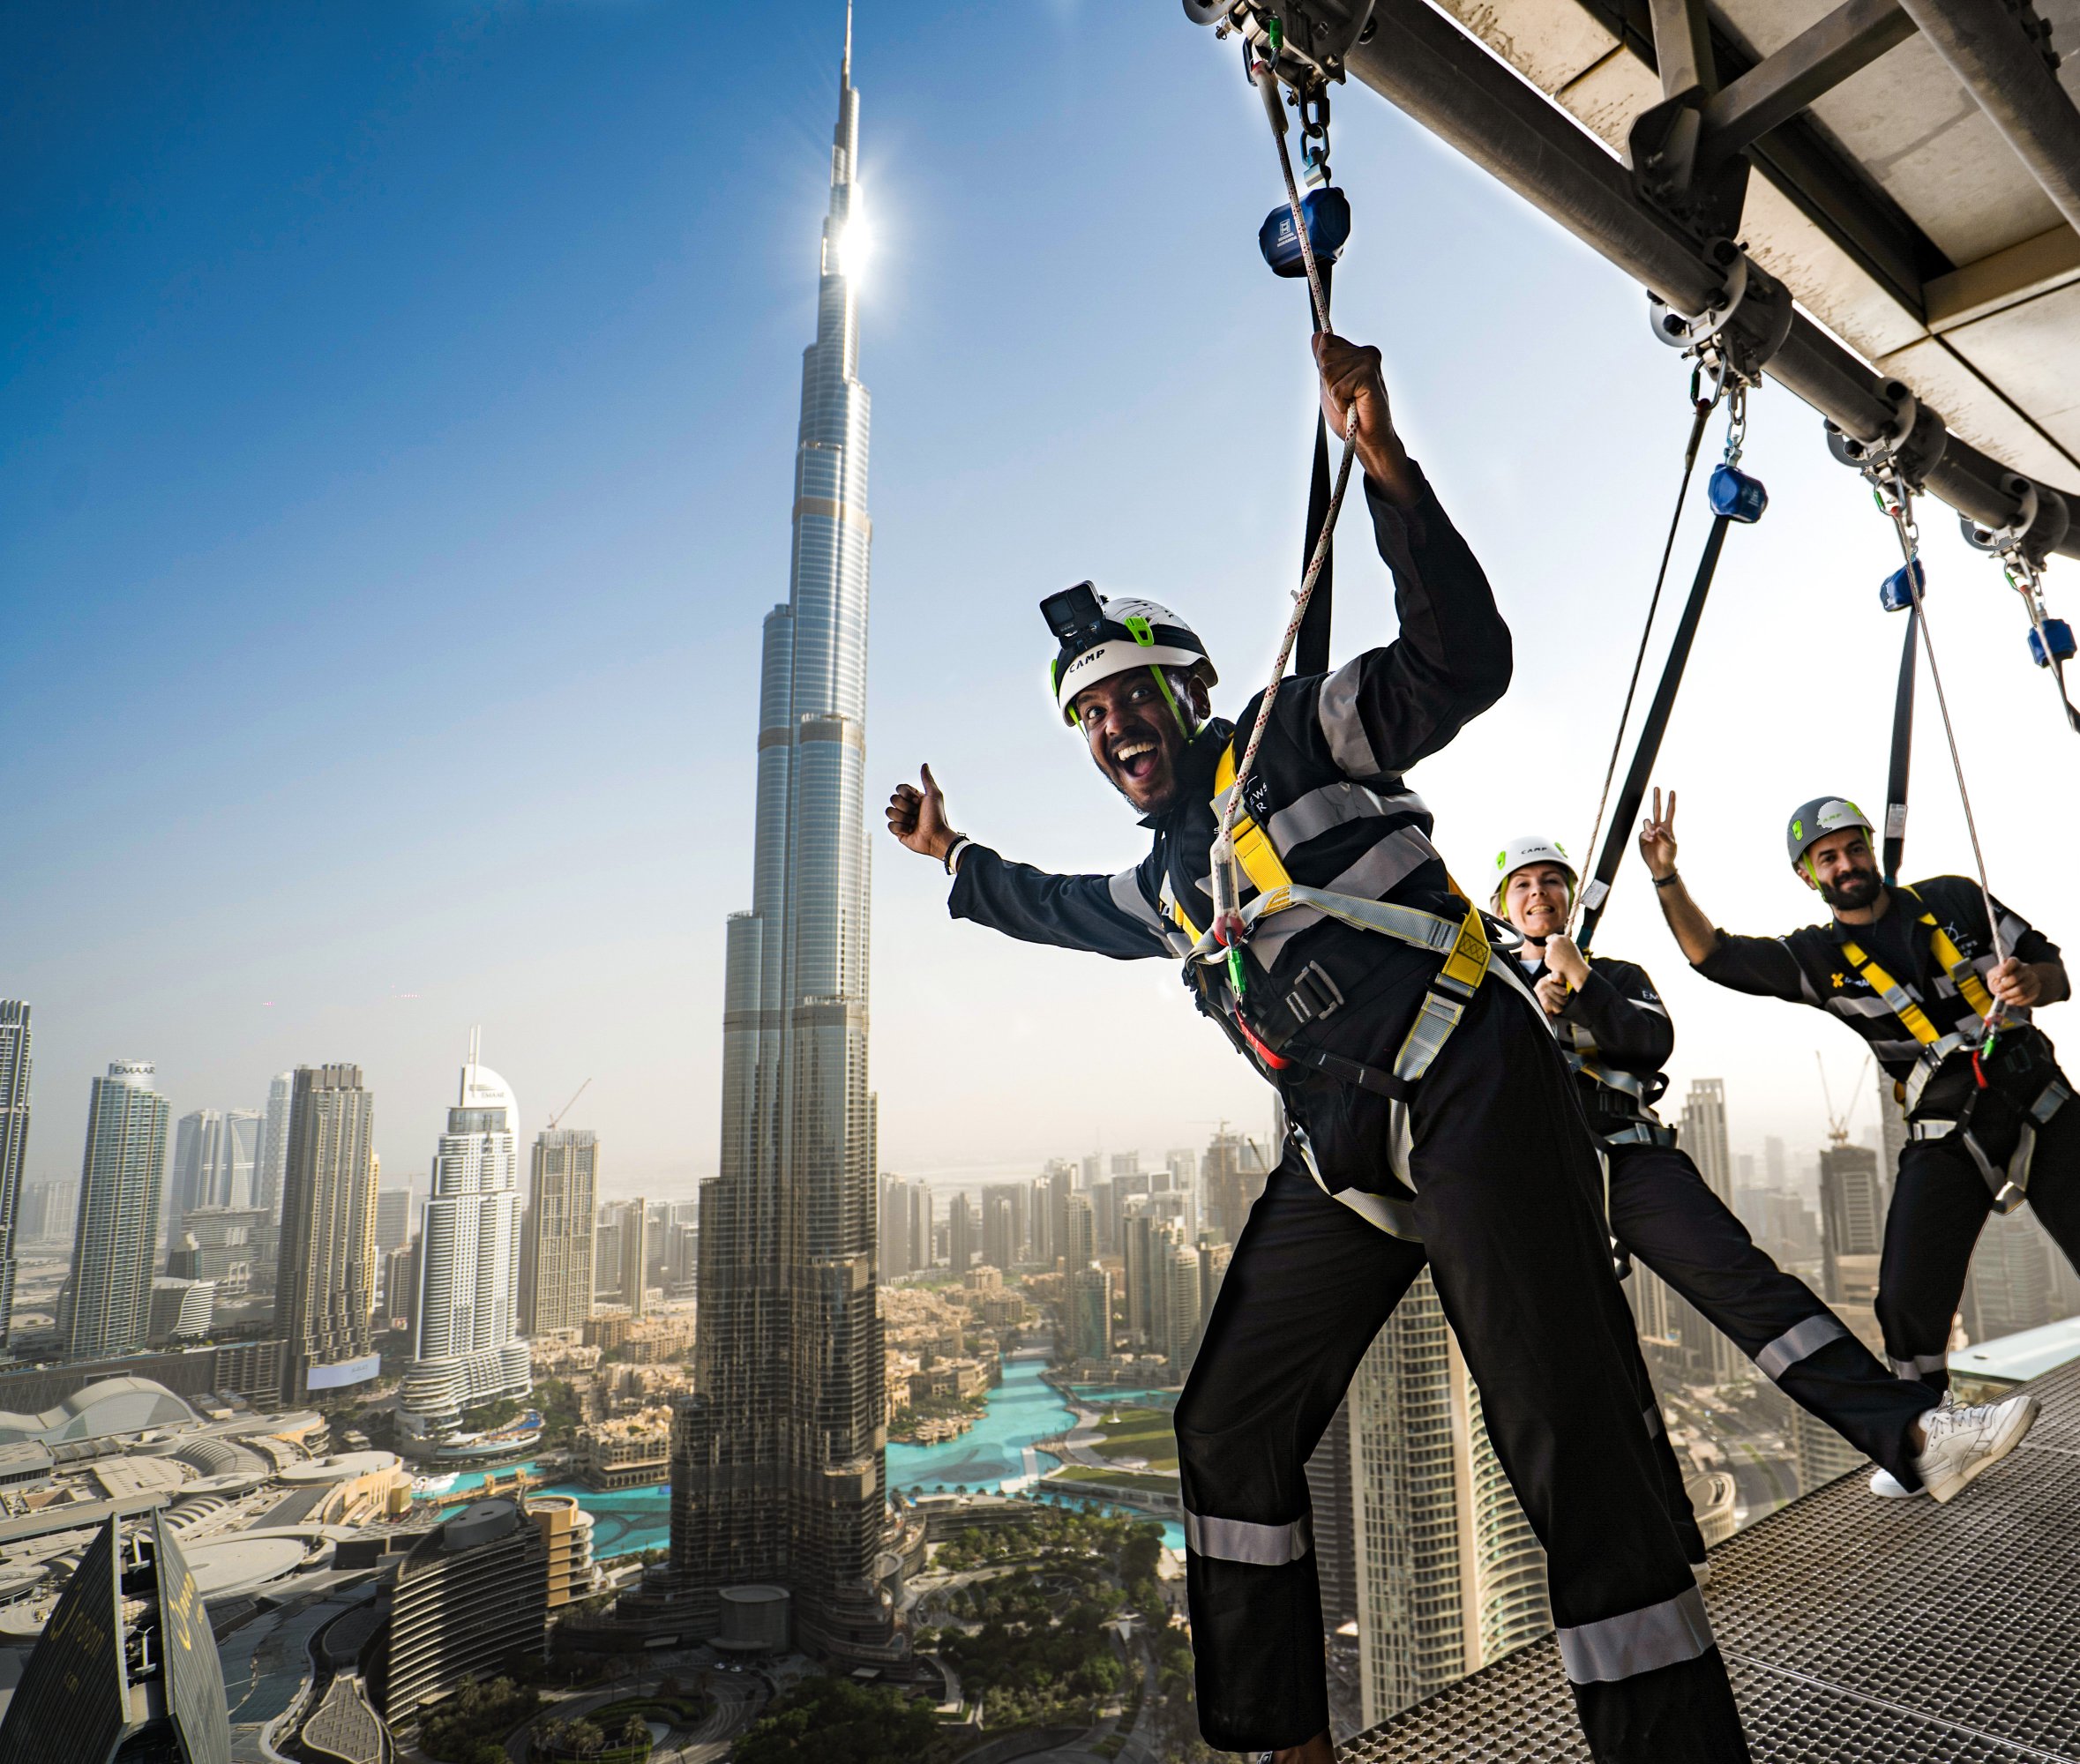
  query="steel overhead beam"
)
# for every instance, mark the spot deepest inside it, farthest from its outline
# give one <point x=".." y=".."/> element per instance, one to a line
<point x="1426" y="67"/>
<point x="1816" y="61"/>
<point x="2002" y="66"/>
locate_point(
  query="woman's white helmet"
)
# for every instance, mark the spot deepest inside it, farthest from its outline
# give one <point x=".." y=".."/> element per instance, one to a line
<point x="1522" y="853"/>
<point x="1101" y="636"/>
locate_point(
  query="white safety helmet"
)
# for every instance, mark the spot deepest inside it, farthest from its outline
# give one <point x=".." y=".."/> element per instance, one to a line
<point x="1101" y="636"/>
<point x="1522" y="853"/>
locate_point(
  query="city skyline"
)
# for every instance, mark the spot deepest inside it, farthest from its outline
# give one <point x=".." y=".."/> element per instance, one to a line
<point x="334" y="407"/>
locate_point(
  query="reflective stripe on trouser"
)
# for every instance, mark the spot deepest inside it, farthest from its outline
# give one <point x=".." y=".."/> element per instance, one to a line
<point x="1636" y="1641"/>
<point x="1242" y="1540"/>
<point x="1939" y="1204"/>
<point x="1665" y="1214"/>
<point x="1504" y="1174"/>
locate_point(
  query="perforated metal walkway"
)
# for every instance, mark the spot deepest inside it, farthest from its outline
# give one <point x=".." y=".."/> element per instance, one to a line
<point x="1857" y="1631"/>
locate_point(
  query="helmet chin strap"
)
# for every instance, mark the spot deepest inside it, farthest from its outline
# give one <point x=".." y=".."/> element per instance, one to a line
<point x="1170" y="698"/>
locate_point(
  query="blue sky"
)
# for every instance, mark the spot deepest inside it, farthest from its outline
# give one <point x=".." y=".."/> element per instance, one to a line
<point x="395" y="470"/>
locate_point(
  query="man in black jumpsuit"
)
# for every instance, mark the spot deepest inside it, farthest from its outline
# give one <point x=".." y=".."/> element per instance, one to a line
<point x="1482" y="1156"/>
<point x="1616" y="1034"/>
<point x="1913" y="971"/>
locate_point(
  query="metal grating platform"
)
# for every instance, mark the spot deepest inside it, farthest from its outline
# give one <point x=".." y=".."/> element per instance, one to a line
<point x="1857" y="1631"/>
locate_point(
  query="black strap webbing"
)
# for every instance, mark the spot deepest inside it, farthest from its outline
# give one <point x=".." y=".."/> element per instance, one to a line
<point x="1627" y="813"/>
<point x="1312" y="649"/>
<point x="1902" y="753"/>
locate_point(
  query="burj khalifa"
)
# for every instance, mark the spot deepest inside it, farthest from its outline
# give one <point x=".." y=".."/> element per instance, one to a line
<point x="777" y="1464"/>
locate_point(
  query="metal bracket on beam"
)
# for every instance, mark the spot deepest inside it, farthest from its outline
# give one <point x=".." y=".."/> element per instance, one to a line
<point x="1743" y="323"/>
<point x="2041" y="521"/>
<point x="1686" y="151"/>
<point x="1911" y="441"/>
<point x="1815" y="62"/>
<point x="1306" y="39"/>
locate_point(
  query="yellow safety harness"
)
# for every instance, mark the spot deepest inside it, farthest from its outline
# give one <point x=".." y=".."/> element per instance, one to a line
<point x="1462" y="943"/>
<point x="1937" y="1046"/>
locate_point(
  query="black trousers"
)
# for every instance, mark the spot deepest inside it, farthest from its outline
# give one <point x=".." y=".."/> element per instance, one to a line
<point x="1939" y="1204"/>
<point x="1504" y="1171"/>
<point x="1663" y="1211"/>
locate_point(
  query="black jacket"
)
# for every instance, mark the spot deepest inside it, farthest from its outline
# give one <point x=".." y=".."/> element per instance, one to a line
<point x="1615" y="1021"/>
<point x="1808" y="967"/>
<point x="1327" y="789"/>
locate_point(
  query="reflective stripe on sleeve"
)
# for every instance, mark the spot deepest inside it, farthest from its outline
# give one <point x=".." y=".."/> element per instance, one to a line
<point x="1656" y="1425"/>
<point x="1239" y="1540"/>
<point x="1336" y="709"/>
<point x="1126" y="890"/>
<point x="1637" y="1641"/>
<point x="1801" y="1342"/>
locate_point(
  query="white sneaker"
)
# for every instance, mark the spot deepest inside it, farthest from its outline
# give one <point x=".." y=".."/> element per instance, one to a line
<point x="1888" y="1487"/>
<point x="1700" y="1572"/>
<point x="1963" y="1443"/>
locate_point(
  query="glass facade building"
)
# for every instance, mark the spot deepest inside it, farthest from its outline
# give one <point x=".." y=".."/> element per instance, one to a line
<point x="116" y="1234"/>
<point x="14" y="1143"/>
<point x="778" y="1472"/>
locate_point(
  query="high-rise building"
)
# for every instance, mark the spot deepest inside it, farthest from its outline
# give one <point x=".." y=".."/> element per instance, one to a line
<point x="1703" y="1135"/>
<point x="1851" y="1218"/>
<point x="1178" y="1334"/>
<point x="14" y="1145"/>
<point x="2009" y="1286"/>
<point x="1060" y="1177"/>
<point x="467" y="1346"/>
<point x="1230" y="1180"/>
<point x="1091" y="1312"/>
<point x="1003" y="1212"/>
<point x="273" y="1160"/>
<point x="44" y="1213"/>
<point x="897" y="1256"/>
<point x="962" y="1238"/>
<point x="116" y="1234"/>
<point x="1332" y="1517"/>
<point x="393" y="1219"/>
<point x="400" y="1290"/>
<point x="324" y="1279"/>
<point x="557" y="1237"/>
<point x="212" y="1163"/>
<point x="1448" y="1573"/>
<point x="635" y="1246"/>
<point x="469" y="1595"/>
<point x="789" y="1372"/>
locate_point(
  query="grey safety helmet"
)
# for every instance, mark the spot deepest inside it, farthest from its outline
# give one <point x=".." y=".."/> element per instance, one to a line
<point x="1814" y="820"/>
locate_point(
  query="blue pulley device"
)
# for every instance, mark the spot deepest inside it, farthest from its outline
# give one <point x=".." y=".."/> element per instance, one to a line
<point x="1328" y="227"/>
<point x="1896" y="596"/>
<point x="1736" y="495"/>
<point x="2060" y="634"/>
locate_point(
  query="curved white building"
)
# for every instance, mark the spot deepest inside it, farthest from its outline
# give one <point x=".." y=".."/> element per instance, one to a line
<point x="468" y="1344"/>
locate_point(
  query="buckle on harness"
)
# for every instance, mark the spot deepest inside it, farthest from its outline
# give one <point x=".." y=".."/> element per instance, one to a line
<point x="1314" y="994"/>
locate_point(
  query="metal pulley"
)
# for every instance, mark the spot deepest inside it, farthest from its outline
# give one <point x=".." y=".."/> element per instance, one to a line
<point x="1742" y="325"/>
<point x="1328" y="228"/>
<point x="1898" y="594"/>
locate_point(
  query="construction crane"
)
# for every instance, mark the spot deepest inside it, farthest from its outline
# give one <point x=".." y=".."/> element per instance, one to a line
<point x="583" y="1088"/>
<point x="1838" y="1125"/>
